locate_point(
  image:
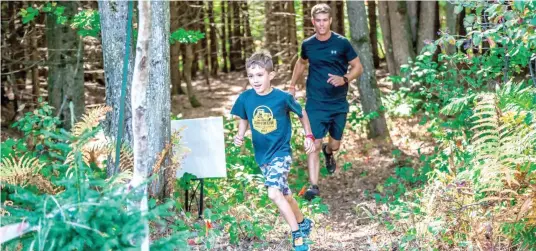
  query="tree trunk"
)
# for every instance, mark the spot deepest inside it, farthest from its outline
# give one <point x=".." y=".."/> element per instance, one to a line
<point x="204" y="27"/>
<point x="461" y="29"/>
<point x="236" y="50"/>
<point x="65" y="70"/>
<point x="188" y="60"/>
<point x="385" y="23"/>
<point x="293" y="40"/>
<point x="213" y="41"/>
<point x="413" y="14"/>
<point x="140" y="106"/>
<point x="36" y="88"/>
<point x="426" y="23"/>
<point x="337" y="12"/>
<point x="158" y="113"/>
<point x="368" y="90"/>
<point x="373" y="32"/>
<point x="270" y="29"/>
<point x="175" y="50"/>
<point x="308" y="28"/>
<point x="224" y="36"/>
<point x="113" y="18"/>
<point x="452" y="21"/>
<point x="247" y="26"/>
<point x="401" y="33"/>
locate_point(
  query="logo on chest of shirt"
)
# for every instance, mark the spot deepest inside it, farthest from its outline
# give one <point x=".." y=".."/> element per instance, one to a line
<point x="263" y="120"/>
<point x="333" y="52"/>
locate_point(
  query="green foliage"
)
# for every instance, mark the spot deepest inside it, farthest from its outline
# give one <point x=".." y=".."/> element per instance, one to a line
<point x="186" y="36"/>
<point x="87" y="22"/>
<point x="84" y="211"/>
<point x="30" y="13"/>
<point x="476" y="189"/>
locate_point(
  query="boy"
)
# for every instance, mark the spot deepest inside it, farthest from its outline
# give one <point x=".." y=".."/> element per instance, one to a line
<point x="267" y="111"/>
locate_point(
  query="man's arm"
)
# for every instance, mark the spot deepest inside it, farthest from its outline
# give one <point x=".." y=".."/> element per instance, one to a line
<point x="299" y="68"/>
<point x="355" y="72"/>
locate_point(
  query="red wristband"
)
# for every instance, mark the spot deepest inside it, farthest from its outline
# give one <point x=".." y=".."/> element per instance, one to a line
<point x="310" y="136"/>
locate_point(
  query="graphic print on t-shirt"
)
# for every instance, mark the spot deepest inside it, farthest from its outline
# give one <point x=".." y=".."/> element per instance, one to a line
<point x="263" y="120"/>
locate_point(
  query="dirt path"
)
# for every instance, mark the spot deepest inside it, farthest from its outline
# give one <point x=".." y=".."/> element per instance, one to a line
<point x="345" y="227"/>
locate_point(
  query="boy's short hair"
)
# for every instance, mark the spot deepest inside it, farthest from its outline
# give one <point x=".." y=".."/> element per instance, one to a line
<point x="261" y="59"/>
<point x="320" y="8"/>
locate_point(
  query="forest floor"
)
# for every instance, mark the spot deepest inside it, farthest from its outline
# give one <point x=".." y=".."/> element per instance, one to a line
<point x="346" y="227"/>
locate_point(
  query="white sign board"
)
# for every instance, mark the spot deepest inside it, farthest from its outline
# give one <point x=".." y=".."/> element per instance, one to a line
<point x="205" y="140"/>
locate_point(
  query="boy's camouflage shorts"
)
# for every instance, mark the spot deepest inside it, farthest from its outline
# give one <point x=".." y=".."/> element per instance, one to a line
<point x="276" y="173"/>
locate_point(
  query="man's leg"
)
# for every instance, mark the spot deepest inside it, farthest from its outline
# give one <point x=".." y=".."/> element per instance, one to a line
<point x="313" y="163"/>
<point x="335" y="131"/>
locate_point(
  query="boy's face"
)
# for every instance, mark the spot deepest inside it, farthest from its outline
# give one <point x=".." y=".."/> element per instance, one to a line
<point x="259" y="79"/>
<point x="322" y="23"/>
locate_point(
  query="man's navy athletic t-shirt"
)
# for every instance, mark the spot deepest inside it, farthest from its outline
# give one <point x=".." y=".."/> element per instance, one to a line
<point x="327" y="57"/>
<point x="269" y="120"/>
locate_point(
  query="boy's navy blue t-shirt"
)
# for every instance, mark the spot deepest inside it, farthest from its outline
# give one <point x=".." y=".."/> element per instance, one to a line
<point x="269" y="120"/>
<point x="327" y="57"/>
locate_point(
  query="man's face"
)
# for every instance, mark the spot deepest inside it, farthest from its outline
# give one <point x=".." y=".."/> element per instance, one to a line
<point x="322" y="23"/>
<point x="259" y="79"/>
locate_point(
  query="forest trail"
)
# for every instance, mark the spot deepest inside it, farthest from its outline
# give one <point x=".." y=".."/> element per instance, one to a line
<point x="347" y="226"/>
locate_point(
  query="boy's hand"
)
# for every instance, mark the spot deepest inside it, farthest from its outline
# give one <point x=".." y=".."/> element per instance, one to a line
<point x="238" y="141"/>
<point x="309" y="145"/>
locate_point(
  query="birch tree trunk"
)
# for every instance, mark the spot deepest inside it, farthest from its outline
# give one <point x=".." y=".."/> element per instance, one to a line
<point x="140" y="110"/>
<point x="368" y="89"/>
<point x="158" y="93"/>
<point x="113" y="18"/>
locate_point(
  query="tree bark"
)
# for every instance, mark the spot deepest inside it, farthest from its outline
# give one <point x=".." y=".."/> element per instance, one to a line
<point x="65" y="72"/>
<point x="385" y="23"/>
<point x="213" y="41"/>
<point x="368" y="89"/>
<point x="236" y="48"/>
<point x="158" y="93"/>
<point x="413" y="14"/>
<point x="113" y="18"/>
<point x="36" y="88"/>
<point x="401" y="33"/>
<point x="140" y="106"/>
<point x="371" y="11"/>
<point x="270" y="30"/>
<point x="426" y="23"/>
<point x="224" y="34"/>
<point x="188" y="60"/>
<point x="175" y="50"/>
<point x="308" y="29"/>
<point x="452" y="21"/>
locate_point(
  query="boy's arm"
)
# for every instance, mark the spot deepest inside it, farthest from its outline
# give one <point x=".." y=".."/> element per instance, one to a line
<point x="242" y="127"/>
<point x="309" y="143"/>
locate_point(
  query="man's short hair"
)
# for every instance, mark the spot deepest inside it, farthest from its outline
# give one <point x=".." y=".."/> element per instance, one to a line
<point x="320" y="8"/>
<point x="261" y="59"/>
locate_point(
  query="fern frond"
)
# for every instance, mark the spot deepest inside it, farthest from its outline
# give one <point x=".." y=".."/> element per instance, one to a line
<point x="18" y="172"/>
<point x="90" y="120"/>
<point x="456" y="105"/>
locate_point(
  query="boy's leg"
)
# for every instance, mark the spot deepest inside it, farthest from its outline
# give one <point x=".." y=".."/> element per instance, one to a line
<point x="284" y="207"/>
<point x="295" y="208"/>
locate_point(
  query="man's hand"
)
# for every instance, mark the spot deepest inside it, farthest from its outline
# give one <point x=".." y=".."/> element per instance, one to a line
<point x="309" y="145"/>
<point x="292" y="90"/>
<point x="238" y="141"/>
<point x="336" y="80"/>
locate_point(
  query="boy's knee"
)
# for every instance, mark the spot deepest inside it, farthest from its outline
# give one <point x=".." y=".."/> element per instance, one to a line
<point x="274" y="193"/>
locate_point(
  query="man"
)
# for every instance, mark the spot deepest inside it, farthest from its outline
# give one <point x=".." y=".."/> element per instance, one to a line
<point x="328" y="55"/>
